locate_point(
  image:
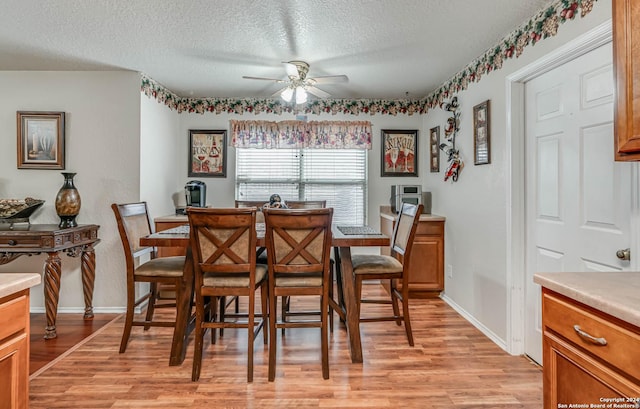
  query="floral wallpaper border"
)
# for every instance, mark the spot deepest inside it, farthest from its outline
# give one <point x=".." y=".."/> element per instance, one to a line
<point x="541" y="26"/>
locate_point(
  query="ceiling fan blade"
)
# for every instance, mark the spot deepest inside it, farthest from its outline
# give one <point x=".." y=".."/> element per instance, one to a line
<point x="330" y="79"/>
<point x="292" y="70"/>
<point x="263" y="79"/>
<point x="317" y="92"/>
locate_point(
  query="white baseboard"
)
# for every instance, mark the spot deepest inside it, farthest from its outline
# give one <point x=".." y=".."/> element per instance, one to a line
<point x="80" y="310"/>
<point x="486" y="331"/>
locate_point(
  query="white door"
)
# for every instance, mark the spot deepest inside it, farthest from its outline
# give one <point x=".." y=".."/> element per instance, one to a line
<point x="578" y="199"/>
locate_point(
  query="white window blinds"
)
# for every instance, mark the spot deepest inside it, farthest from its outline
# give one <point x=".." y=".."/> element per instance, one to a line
<point x="338" y="176"/>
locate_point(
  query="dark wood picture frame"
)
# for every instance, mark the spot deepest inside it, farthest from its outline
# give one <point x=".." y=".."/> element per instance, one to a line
<point x="482" y="133"/>
<point x="434" y="149"/>
<point x="399" y="152"/>
<point x="40" y="139"/>
<point x="207" y="153"/>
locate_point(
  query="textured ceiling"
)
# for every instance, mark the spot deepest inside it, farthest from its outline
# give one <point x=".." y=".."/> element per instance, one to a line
<point x="388" y="48"/>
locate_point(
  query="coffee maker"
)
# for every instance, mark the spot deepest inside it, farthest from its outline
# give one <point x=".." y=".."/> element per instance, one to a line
<point x="196" y="193"/>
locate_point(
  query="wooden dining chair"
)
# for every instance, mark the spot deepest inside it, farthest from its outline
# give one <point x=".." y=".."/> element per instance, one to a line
<point x="164" y="274"/>
<point x="298" y="249"/>
<point x="223" y="244"/>
<point x="286" y="301"/>
<point x="394" y="268"/>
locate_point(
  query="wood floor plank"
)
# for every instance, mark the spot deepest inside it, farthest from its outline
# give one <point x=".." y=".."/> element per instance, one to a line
<point x="453" y="365"/>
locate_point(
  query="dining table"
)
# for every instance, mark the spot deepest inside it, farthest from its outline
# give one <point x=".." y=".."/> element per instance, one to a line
<point x="347" y="307"/>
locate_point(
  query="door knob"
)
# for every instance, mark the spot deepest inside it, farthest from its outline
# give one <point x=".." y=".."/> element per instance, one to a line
<point x="624" y="254"/>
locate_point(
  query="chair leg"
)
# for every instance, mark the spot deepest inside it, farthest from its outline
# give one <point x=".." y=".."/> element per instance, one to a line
<point x="394" y="301"/>
<point x="331" y="276"/>
<point x="223" y="306"/>
<point x="407" y="319"/>
<point x="213" y="316"/>
<point x="250" y="336"/>
<point x="286" y="300"/>
<point x="324" y="306"/>
<point x="272" y="333"/>
<point x="198" y="342"/>
<point x="151" y="304"/>
<point x="265" y="312"/>
<point x="128" y="322"/>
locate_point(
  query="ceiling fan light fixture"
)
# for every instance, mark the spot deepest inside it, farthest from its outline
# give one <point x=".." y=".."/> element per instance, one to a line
<point x="287" y="94"/>
<point x="301" y="95"/>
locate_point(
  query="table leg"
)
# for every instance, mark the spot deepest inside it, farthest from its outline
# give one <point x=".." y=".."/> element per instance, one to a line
<point x="183" y="314"/>
<point x="351" y="304"/>
<point x="88" y="260"/>
<point x="52" y="273"/>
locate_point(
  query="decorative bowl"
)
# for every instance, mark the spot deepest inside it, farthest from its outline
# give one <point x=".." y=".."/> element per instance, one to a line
<point x="18" y="210"/>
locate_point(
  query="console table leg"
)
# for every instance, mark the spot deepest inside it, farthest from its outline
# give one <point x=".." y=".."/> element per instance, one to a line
<point x="52" y="272"/>
<point x="88" y="278"/>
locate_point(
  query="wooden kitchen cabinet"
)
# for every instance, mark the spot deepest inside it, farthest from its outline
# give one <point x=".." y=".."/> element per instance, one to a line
<point x="626" y="60"/>
<point x="578" y="369"/>
<point x="14" y="350"/>
<point x="426" y="276"/>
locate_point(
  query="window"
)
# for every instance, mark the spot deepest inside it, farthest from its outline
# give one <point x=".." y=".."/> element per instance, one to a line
<point x="338" y="176"/>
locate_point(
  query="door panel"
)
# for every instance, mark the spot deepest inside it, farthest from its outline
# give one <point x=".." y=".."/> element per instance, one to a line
<point x="577" y="197"/>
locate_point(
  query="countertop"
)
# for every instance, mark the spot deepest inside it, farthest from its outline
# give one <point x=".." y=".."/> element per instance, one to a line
<point x="385" y="211"/>
<point x="617" y="294"/>
<point x="11" y="283"/>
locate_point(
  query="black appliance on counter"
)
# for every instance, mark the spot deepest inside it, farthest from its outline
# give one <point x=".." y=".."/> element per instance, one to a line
<point x="196" y="193"/>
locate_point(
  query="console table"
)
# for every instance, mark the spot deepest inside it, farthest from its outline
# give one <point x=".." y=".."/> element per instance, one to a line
<point x="34" y="239"/>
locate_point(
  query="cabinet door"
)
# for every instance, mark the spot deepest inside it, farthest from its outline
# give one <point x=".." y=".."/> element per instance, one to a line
<point x="14" y="372"/>
<point x="626" y="58"/>
<point x="571" y="376"/>
<point x="427" y="264"/>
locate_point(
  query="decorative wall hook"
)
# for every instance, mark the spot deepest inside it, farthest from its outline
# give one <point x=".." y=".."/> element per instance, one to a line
<point x="450" y="132"/>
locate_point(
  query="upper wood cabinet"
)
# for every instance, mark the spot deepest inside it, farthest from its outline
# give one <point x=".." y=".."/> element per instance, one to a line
<point x="626" y="59"/>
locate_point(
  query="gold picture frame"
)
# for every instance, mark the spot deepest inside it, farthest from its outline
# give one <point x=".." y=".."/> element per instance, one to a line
<point x="207" y="153"/>
<point x="40" y="140"/>
<point x="481" y="134"/>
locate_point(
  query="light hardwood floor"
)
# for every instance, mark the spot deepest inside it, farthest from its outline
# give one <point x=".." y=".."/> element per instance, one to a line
<point x="452" y="365"/>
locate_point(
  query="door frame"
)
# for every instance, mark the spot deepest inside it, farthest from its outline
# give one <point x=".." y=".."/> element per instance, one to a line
<point x="515" y="191"/>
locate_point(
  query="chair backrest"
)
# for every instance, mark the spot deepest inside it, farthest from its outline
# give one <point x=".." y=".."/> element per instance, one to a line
<point x="405" y="231"/>
<point x="306" y="204"/>
<point x="298" y="241"/>
<point x="133" y="223"/>
<point x="251" y="203"/>
<point x="223" y="240"/>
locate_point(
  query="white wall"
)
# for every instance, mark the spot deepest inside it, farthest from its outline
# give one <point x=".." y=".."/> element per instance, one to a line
<point x="476" y="205"/>
<point x="160" y="144"/>
<point x="102" y="147"/>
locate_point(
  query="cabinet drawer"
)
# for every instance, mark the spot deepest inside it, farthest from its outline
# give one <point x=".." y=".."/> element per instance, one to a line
<point x="430" y="228"/>
<point x="19" y="242"/>
<point x="14" y="313"/>
<point x="561" y="315"/>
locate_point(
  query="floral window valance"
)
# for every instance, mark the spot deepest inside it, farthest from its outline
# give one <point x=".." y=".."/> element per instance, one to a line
<point x="301" y="134"/>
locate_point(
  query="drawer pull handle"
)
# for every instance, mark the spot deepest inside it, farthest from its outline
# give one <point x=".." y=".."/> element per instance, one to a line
<point x="597" y="341"/>
<point x="12" y="242"/>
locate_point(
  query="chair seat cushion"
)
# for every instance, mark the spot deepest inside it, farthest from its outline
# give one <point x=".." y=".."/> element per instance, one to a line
<point x="298" y="280"/>
<point x="234" y="279"/>
<point x="162" y="267"/>
<point x="373" y="263"/>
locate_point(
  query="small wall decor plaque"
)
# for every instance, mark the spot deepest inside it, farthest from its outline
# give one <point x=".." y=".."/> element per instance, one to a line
<point x="40" y="140"/>
<point x="399" y="152"/>
<point x="434" y="149"/>
<point x="481" y="134"/>
<point x="207" y="153"/>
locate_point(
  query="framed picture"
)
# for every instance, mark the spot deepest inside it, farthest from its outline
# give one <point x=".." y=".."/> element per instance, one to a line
<point x="40" y="140"/>
<point x="207" y="153"/>
<point x="481" y="134"/>
<point x="434" y="149"/>
<point x="399" y="152"/>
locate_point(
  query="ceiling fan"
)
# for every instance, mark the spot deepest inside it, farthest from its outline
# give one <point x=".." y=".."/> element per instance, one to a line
<point x="298" y="84"/>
